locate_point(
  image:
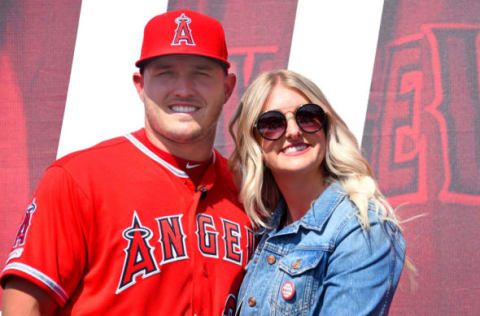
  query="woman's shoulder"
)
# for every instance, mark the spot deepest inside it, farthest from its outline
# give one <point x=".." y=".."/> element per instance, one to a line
<point x="344" y="220"/>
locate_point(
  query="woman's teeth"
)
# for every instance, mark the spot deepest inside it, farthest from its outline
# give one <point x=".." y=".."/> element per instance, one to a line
<point x="294" y="148"/>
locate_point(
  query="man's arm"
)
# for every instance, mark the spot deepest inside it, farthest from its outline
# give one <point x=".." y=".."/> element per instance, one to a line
<point x="22" y="297"/>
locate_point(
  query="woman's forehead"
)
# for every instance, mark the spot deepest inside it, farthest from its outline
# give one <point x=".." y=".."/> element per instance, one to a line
<point x="283" y="98"/>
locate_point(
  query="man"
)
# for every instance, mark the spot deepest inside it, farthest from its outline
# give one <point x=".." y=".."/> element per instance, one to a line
<point x="148" y="223"/>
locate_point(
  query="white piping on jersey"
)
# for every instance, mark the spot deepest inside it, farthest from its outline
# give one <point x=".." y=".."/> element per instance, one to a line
<point x="151" y="154"/>
<point x="179" y="173"/>
<point x="39" y="276"/>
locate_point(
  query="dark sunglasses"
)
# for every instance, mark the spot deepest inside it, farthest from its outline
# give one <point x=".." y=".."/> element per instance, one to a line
<point x="310" y="118"/>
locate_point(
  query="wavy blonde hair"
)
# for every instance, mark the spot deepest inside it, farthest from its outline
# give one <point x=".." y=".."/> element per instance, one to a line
<point x="343" y="160"/>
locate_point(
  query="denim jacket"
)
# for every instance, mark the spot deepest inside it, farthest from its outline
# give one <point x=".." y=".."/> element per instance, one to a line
<point x="324" y="263"/>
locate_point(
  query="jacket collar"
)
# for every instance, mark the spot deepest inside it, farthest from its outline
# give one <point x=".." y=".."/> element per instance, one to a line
<point x="315" y="218"/>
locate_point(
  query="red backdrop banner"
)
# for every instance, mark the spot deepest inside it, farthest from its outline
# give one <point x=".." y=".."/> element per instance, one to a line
<point x="36" y="49"/>
<point x="421" y="137"/>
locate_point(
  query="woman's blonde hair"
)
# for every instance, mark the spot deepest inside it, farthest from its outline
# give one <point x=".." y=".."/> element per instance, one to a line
<point x="343" y="160"/>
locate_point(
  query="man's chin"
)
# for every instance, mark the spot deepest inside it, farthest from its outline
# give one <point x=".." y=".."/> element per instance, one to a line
<point x="185" y="136"/>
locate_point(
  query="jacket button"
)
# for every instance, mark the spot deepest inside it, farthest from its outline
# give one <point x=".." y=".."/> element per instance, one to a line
<point x="296" y="264"/>
<point x="252" y="301"/>
<point x="271" y="259"/>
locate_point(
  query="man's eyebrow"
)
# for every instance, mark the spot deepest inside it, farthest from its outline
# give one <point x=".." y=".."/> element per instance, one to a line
<point x="161" y="66"/>
<point x="204" y="67"/>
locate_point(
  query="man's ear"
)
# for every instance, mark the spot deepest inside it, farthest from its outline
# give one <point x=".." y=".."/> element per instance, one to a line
<point x="230" y="82"/>
<point x="138" y="83"/>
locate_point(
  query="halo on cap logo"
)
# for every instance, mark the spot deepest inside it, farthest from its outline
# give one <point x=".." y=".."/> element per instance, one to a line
<point x="183" y="33"/>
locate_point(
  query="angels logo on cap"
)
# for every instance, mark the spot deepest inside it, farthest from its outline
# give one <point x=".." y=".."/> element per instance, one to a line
<point x="183" y="33"/>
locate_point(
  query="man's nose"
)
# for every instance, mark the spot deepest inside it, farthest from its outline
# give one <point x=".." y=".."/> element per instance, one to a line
<point x="183" y="86"/>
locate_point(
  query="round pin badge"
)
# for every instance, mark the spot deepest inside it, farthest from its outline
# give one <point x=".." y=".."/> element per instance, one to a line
<point x="288" y="290"/>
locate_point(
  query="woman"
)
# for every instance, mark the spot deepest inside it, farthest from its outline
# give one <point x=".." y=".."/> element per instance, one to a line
<point x="331" y="244"/>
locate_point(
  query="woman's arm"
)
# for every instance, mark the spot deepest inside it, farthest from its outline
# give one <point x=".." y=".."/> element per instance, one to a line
<point x="364" y="270"/>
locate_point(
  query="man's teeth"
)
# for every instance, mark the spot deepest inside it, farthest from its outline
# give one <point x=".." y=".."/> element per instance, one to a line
<point x="183" y="108"/>
<point x="294" y="148"/>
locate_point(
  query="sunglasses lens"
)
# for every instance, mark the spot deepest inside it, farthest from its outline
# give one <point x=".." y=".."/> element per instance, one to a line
<point x="271" y="125"/>
<point x="310" y="118"/>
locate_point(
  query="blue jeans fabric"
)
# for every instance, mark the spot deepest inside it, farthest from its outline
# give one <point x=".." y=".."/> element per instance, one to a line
<point x="335" y="267"/>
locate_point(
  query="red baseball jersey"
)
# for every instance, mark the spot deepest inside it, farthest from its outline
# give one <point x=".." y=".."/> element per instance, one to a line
<point x="117" y="230"/>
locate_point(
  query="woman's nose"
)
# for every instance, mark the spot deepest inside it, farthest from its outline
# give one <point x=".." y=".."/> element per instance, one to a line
<point x="293" y="131"/>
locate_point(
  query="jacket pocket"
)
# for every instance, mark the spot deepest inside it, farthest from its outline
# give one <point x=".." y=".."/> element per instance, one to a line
<point x="297" y="282"/>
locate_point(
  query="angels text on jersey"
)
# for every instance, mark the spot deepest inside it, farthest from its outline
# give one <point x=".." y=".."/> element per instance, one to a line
<point x="141" y="259"/>
<point x="142" y="252"/>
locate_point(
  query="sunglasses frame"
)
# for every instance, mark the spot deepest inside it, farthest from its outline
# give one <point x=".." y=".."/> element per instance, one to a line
<point x="324" y="121"/>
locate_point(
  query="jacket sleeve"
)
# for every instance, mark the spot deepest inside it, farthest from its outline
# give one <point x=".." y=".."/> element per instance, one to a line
<point x="363" y="269"/>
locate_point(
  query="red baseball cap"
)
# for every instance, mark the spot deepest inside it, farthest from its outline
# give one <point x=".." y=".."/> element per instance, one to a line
<point x="184" y="32"/>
